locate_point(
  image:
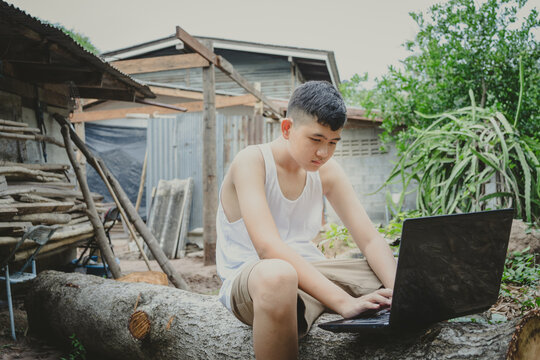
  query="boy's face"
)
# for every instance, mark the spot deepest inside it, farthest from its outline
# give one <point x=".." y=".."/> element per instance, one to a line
<point x="310" y="143"/>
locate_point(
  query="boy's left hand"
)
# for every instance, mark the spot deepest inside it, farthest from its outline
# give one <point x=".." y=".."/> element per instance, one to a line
<point x="377" y="300"/>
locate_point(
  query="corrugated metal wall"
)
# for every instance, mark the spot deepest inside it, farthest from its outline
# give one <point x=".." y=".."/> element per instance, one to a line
<point x="175" y="149"/>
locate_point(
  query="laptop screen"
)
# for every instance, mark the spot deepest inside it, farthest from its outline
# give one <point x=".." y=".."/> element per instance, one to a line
<point x="449" y="266"/>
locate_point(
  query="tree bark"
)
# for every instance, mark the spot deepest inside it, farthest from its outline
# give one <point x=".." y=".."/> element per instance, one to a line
<point x="142" y="321"/>
<point x="101" y="237"/>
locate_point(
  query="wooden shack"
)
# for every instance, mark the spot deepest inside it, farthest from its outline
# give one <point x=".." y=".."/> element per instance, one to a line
<point x="43" y="71"/>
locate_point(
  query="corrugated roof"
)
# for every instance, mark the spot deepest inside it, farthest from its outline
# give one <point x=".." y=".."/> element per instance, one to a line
<point x="22" y="36"/>
<point x="311" y="61"/>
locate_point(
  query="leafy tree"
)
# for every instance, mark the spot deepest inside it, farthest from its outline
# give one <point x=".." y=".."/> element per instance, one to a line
<point x="461" y="45"/>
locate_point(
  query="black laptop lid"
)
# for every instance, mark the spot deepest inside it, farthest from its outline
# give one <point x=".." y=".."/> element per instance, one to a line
<point x="449" y="266"/>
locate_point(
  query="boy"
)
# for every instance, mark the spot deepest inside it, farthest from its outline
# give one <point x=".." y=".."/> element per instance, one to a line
<point x="270" y="208"/>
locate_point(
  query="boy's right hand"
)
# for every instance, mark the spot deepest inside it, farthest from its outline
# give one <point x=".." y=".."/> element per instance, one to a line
<point x="377" y="300"/>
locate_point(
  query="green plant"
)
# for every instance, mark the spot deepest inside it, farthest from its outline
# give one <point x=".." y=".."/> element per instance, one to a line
<point x="520" y="279"/>
<point x="78" y="351"/>
<point x="394" y="227"/>
<point x="452" y="162"/>
<point x="337" y="233"/>
<point x="521" y="269"/>
<point x="82" y="40"/>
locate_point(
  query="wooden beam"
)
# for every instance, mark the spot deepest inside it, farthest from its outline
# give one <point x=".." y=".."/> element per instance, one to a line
<point x="186" y="94"/>
<point x="162" y="105"/>
<point x="39" y="73"/>
<point x="195" y="45"/>
<point x="111" y="94"/>
<point x="196" y="106"/>
<point x="160" y="63"/>
<point x="224" y="66"/>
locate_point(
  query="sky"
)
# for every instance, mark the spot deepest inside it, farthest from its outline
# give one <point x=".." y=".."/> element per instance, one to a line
<point x="365" y="35"/>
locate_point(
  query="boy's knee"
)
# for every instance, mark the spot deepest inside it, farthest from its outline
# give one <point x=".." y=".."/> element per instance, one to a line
<point x="273" y="285"/>
<point x="274" y="274"/>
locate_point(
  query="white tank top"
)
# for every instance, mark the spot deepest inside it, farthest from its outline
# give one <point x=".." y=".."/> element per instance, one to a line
<point x="298" y="222"/>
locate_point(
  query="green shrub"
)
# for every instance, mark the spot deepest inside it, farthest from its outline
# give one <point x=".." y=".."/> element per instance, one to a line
<point x="451" y="162"/>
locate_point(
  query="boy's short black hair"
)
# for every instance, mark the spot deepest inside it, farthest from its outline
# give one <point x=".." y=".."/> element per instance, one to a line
<point x="320" y="99"/>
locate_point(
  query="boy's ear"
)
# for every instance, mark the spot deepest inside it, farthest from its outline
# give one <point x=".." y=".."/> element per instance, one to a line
<point x="286" y="125"/>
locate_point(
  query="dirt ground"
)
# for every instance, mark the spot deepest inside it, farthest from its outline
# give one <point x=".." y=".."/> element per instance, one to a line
<point x="202" y="279"/>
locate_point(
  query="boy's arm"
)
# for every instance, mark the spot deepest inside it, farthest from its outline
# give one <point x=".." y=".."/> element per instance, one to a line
<point x="248" y="176"/>
<point x="342" y="197"/>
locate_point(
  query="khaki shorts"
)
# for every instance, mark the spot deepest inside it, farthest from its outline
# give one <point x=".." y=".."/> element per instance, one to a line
<point x="352" y="275"/>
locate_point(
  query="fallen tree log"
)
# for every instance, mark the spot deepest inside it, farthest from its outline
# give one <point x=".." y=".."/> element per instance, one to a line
<point x="142" y="321"/>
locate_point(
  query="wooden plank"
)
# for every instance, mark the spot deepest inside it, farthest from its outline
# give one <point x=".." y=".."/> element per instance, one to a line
<point x="52" y="185"/>
<point x="11" y="227"/>
<point x="11" y="172"/>
<point x="186" y="94"/>
<point x="35" y="137"/>
<point x="196" y="106"/>
<point x="7" y="210"/>
<point x="160" y="63"/>
<point x="13" y="123"/>
<point x="33" y="208"/>
<point x="42" y="167"/>
<point x="224" y="66"/>
<point x="6" y="128"/>
<point x="41" y="191"/>
<point x="31" y="198"/>
<point x="46" y="219"/>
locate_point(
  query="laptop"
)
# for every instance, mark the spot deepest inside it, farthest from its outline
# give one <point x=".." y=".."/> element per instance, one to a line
<point x="448" y="266"/>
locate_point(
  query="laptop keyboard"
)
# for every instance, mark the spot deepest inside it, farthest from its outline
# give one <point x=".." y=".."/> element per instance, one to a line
<point x="382" y="318"/>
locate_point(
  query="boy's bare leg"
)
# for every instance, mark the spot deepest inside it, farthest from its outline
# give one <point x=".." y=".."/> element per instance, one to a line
<point x="273" y="288"/>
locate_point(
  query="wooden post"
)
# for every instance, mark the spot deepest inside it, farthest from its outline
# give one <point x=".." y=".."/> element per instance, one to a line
<point x="141" y="183"/>
<point x="258" y="119"/>
<point x="101" y="238"/>
<point x="209" y="163"/>
<point x="79" y="129"/>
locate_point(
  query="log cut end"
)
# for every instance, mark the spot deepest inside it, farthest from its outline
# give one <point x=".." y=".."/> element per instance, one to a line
<point x="525" y="343"/>
<point x="139" y="325"/>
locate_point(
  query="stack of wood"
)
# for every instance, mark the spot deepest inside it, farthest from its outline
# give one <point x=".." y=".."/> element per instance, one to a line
<point x="34" y="194"/>
<point x="21" y="131"/>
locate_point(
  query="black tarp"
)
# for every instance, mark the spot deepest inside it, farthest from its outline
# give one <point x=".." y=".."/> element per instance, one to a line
<point x="122" y="149"/>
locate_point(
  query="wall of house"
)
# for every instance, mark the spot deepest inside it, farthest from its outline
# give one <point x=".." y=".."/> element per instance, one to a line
<point x="11" y="108"/>
<point x="367" y="167"/>
<point x="273" y="72"/>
